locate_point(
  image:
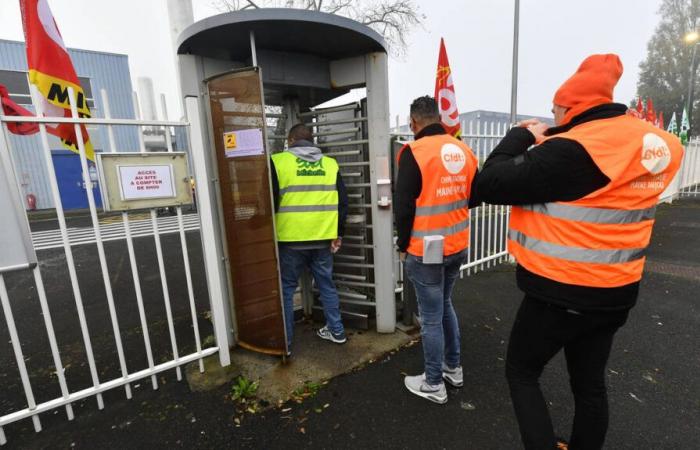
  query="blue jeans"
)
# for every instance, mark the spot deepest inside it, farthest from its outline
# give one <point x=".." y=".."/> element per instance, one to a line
<point x="320" y="261"/>
<point x="439" y="328"/>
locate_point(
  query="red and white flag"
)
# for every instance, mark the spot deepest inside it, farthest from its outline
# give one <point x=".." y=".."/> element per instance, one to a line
<point x="445" y="94"/>
<point x="51" y="71"/>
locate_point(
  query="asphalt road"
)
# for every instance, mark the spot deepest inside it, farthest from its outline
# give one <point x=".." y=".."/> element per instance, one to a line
<point x="30" y="324"/>
<point x="653" y="383"/>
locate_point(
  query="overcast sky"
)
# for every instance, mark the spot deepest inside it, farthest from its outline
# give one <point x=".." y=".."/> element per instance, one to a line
<point x="555" y="36"/>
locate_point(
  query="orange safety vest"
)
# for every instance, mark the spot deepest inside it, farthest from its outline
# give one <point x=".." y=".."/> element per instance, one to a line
<point x="600" y="239"/>
<point x="447" y="166"/>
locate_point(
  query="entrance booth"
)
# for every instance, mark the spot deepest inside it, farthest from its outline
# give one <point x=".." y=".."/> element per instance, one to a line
<point x="247" y="78"/>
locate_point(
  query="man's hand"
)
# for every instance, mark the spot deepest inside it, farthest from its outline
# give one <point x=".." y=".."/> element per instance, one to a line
<point x="527" y="122"/>
<point x="535" y="127"/>
<point x="335" y="245"/>
<point x="402" y="256"/>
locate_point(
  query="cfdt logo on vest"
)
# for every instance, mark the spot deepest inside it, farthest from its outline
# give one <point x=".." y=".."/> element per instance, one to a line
<point x="453" y="158"/>
<point x="656" y="155"/>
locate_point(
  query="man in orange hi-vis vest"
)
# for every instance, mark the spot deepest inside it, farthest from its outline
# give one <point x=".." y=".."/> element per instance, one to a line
<point x="584" y="200"/>
<point x="431" y="207"/>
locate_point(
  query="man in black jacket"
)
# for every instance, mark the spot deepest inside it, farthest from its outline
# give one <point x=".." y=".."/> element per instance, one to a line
<point x="586" y="183"/>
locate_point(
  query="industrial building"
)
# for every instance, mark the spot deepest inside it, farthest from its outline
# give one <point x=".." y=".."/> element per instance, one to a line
<point x="484" y="119"/>
<point x="96" y="71"/>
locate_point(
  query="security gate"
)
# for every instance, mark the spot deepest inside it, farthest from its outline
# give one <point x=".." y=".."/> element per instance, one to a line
<point x="341" y="133"/>
<point x="80" y="281"/>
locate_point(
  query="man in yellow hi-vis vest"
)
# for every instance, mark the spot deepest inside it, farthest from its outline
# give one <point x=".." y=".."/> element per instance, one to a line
<point x="310" y="209"/>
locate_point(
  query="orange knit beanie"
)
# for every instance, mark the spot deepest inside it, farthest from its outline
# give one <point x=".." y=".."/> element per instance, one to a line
<point x="590" y="86"/>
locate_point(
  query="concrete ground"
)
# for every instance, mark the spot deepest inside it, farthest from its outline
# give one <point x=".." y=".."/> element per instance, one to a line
<point x="654" y="388"/>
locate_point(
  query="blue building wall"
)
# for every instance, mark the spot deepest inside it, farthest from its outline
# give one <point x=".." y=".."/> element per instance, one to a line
<point x="106" y="71"/>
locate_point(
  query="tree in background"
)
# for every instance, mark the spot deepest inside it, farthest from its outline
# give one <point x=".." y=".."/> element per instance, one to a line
<point x="665" y="73"/>
<point x="393" y="19"/>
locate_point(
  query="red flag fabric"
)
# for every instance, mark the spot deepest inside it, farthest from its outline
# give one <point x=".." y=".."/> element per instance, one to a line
<point x="10" y="108"/>
<point x="445" y="94"/>
<point x="661" y="120"/>
<point x="51" y="71"/>
<point x="651" y="115"/>
<point x="640" y="107"/>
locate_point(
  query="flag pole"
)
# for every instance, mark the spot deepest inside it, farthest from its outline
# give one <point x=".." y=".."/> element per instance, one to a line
<point x="514" y="78"/>
<point x="691" y="84"/>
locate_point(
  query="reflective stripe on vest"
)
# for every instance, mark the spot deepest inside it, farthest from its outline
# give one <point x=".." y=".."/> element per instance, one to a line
<point x="308" y="188"/>
<point x="440" y="209"/>
<point x="592" y="215"/>
<point x="307" y="208"/>
<point x="308" y="198"/>
<point x="600" y="240"/>
<point x="576" y="254"/>
<point x="444" y="231"/>
<point x="447" y="167"/>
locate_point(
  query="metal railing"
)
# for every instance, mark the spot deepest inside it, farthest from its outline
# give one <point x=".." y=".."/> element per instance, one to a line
<point x="67" y="239"/>
<point x="689" y="173"/>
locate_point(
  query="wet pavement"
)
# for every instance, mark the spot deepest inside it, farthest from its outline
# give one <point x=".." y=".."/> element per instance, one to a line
<point x="654" y="388"/>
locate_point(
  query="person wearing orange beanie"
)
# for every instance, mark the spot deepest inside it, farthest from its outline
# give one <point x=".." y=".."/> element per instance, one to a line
<point x="583" y="211"/>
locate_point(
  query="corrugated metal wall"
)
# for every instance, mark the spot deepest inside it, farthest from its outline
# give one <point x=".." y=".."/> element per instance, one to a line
<point x="106" y="71"/>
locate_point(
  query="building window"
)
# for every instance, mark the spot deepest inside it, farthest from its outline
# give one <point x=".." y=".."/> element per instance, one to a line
<point x="17" y="83"/>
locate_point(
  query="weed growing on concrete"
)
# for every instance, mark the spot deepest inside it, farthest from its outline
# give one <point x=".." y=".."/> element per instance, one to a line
<point x="308" y="390"/>
<point x="243" y="389"/>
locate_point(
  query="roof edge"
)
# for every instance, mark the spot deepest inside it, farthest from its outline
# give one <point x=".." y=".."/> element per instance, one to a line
<point x="83" y="50"/>
<point x="272" y="14"/>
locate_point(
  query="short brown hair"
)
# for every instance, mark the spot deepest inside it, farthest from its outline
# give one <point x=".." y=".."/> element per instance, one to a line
<point x="300" y="132"/>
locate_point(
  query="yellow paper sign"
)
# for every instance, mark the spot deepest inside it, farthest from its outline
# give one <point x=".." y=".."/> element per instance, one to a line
<point x="230" y="140"/>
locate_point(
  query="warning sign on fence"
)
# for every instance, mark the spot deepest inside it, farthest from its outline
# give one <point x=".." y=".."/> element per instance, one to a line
<point x="143" y="182"/>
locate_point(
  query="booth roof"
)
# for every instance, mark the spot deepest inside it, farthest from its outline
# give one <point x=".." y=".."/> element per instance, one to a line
<point x="325" y="35"/>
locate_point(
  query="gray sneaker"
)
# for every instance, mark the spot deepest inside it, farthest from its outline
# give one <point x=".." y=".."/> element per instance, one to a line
<point x="327" y="334"/>
<point x="453" y="376"/>
<point x="417" y="385"/>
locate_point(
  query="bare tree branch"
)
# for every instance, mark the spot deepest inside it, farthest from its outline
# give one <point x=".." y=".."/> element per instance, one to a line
<point x="393" y="19"/>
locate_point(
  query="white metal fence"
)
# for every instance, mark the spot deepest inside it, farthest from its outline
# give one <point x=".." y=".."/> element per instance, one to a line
<point x="487" y="248"/>
<point x="67" y="239"/>
<point x="688" y="181"/>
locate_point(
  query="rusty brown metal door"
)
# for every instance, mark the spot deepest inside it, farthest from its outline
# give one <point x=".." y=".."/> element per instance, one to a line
<point x="237" y="116"/>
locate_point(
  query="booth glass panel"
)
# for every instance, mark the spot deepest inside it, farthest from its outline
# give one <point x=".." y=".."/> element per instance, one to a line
<point x="236" y="103"/>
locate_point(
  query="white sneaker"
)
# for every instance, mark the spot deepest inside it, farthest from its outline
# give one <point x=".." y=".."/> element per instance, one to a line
<point x="417" y="385"/>
<point x="453" y="376"/>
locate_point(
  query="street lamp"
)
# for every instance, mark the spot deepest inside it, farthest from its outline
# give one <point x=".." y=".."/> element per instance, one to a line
<point x="692" y="38"/>
<point x="514" y="77"/>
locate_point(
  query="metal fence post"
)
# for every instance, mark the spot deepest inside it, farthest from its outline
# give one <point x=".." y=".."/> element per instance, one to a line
<point x="382" y="220"/>
<point x="212" y="259"/>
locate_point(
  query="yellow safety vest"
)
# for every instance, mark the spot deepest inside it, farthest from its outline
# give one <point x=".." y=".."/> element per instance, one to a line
<point x="308" y="206"/>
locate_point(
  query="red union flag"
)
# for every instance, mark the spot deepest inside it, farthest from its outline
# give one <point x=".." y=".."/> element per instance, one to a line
<point x="51" y="71"/>
<point x="10" y="108"/>
<point x="651" y="115"/>
<point x="445" y="94"/>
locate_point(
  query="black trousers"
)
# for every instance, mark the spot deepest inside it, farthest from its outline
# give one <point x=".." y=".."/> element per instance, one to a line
<point x="540" y="331"/>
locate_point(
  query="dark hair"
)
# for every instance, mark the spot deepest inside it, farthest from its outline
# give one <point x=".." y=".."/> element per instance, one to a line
<point x="425" y="109"/>
<point x="300" y="132"/>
